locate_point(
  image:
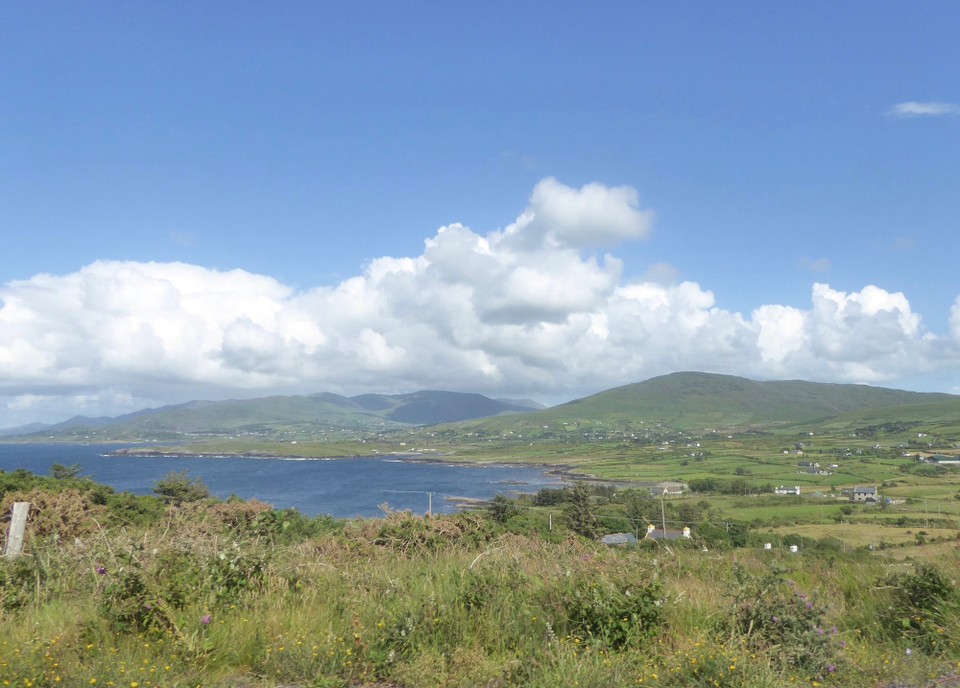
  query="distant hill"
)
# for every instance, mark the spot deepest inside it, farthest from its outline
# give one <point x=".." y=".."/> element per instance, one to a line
<point x="431" y="407"/>
<point x="689" y="400"/>
<point x="23" y="429"/>
<point x="315" y="414"/>
<point x="703" y="398"/>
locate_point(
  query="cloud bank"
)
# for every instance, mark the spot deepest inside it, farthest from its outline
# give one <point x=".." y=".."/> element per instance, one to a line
<point x="533" y="309"/>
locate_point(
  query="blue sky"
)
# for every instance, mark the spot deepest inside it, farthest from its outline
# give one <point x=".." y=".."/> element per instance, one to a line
<point x="198" y="200"/>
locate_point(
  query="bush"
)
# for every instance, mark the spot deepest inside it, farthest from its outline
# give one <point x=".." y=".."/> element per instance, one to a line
<point x="134" y="510"/>
<point x="773" y="616"/>
<point x="177" y="488"/>
<point x="501" y="509"/>
<point x="62" y="515"/>
<point x="920" y="609"/>
<point x="606" y="609"/>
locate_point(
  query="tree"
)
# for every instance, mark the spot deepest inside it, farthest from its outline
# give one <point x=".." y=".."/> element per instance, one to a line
<point x="581" y="515"/>
<point x="641" y="508"/>
<point x="61" y="472"/>
<point x="177" y="488"/>
<point x="501" y="509"/>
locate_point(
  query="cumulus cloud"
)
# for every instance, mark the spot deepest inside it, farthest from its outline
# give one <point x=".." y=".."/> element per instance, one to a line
<point x="928" y="109"/>
<point x="592" y="216"/>
<point x="530" y="310"/>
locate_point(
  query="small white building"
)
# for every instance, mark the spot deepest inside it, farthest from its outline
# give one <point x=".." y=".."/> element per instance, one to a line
<point x="795" y="490"/>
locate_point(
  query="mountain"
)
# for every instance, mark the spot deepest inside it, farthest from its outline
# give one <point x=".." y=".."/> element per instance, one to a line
<point x="530" y="404"/>
<point x="314" y="414"/>
<point x="689" y="400"/>
<point x="430" y="408"/>
<point x="23" y="429"/>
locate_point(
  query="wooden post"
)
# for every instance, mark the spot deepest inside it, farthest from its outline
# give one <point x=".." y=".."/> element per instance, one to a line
<point x="18" y="522"/>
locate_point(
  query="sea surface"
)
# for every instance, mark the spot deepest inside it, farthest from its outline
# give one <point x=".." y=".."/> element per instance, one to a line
<point x="342" y="488"/>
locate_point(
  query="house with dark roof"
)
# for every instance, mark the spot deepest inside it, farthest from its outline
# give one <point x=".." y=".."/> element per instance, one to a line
<point x="654" y="533"/>
<point x="864" y="493"/>
<point x="619" y="539"/>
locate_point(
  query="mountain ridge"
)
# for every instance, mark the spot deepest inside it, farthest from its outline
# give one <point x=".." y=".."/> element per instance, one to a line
<point x="683" y="400"/>
<point x="689" y="399"/>
<point x="264" y="415"/>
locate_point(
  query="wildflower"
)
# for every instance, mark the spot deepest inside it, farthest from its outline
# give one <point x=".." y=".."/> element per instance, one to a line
<point x="101" y="570"/>
<point x="205" y="620"/>
<point x="909" y="652"/>
<point x="809" y="605"/>
<point x="831" y="668"/>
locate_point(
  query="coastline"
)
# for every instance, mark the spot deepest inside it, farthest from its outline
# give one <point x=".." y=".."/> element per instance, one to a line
<point x="563" y="472"/>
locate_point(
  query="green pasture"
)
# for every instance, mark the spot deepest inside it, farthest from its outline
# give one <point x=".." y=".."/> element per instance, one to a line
<point x="861" y="534"/>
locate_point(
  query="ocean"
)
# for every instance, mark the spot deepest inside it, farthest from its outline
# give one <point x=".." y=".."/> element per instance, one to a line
<point x="342" y="488"/>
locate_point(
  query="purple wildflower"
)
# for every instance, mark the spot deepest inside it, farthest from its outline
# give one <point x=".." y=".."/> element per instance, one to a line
<point x="819" y="631"/>
<point x="831" y="668"/>
<point x="101" y="570"/>
<point x="774" y="619"/>
<point x="205" y="620"/>
<point x="809" y="605"/>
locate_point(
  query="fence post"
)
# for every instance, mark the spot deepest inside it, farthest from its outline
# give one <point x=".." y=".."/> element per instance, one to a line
<point x="18" y="522"/>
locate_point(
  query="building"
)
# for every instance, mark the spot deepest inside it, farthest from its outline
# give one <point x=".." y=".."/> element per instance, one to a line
<point x="654" y="534"/>
<point x="864" y="493"/>
<point x="795" y="490"/>
<point x="619" y="539"/>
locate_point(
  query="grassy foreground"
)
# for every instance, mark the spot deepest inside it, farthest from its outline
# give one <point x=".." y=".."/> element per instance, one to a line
<point x="123" y="591"/>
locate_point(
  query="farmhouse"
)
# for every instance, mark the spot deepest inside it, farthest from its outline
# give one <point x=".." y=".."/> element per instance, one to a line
<point x="863" y="493"/>
<point x="654" y="534"/>
<point x="619" y="539"/>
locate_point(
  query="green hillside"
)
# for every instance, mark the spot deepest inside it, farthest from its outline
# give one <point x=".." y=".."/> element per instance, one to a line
<point x="691" y="400"/>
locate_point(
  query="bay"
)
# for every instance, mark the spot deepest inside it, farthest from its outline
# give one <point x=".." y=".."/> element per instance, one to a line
<point x="342" y="488"/>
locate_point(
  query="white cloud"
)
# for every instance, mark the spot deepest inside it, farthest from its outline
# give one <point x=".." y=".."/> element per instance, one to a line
<point x="928" y="109"/>
<point x="524" y="311"/>
<point x="593" y="216"/>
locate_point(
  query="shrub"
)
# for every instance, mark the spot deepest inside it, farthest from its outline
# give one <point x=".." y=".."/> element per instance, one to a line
<point x="177" y="488"/>
<point x="607" y="609"/>
<point x="129" y="509"/>
<point x="501" y="509"/>
<point x="921" y="609"/>
<point x="773" y="616"/>
<point x="62" y="515"/>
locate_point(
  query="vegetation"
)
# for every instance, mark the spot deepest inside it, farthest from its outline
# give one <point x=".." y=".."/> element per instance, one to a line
<point x="117" y="590"/>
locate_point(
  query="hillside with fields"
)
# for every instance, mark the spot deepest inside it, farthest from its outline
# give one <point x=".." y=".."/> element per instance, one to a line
<point x="693" y="400"/>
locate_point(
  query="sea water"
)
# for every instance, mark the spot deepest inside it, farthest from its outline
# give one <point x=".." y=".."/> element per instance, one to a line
<point x="342" y="488"/>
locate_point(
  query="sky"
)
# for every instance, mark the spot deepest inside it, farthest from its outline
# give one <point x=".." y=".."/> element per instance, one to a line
<point x="524" y="199"/>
